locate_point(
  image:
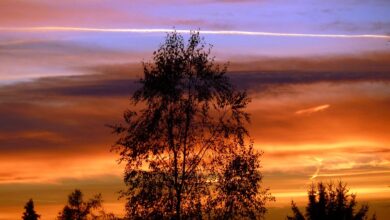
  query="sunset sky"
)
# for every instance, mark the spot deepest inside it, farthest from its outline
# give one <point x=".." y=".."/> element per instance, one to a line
<point x="318" y="74"/>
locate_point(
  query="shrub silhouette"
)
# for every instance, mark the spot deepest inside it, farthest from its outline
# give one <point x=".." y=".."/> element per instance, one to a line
<point x="30" y="213"/>
<point x="330" y="202"/>
<point x="189" y="117"/>
<point x="77" y="208"/>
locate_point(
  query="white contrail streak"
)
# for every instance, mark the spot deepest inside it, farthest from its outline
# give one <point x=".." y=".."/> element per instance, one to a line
<point x="319" y="160"/>
<point x="213" y="32"/>
<point x="312" y="110"/>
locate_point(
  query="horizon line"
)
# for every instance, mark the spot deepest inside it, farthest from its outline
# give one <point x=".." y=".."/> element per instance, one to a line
<point x="187" y="31"/>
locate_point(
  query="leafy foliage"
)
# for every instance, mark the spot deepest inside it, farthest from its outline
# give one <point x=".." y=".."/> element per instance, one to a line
<point x="239" y="194"/>
<point x="186" y="114"/>
<point x="30" y="213"/>
<point x="330" y="202"/>
<point x="78" y="209"/>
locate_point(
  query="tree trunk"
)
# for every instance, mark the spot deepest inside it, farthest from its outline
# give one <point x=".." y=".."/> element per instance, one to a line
<point x="178" y="205"/>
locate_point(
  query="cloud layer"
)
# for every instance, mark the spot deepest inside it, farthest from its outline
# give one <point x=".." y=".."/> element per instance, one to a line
<point x="298" y="118"/>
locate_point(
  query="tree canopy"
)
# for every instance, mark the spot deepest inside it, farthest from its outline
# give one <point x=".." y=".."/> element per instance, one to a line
<point x="187" y="123"/>
<point x="238" y="192"/>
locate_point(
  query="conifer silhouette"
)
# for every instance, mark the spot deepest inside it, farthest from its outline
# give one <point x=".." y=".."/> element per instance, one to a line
<point x="330" y="202"/>
<point x="30" y="213"/>
<point x="77" y="208"/>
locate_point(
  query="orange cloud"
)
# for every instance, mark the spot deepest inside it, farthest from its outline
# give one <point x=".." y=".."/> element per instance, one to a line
<point x="53" y="171"/>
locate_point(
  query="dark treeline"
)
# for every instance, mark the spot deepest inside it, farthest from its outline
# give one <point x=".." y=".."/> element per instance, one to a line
<point x="76" y="209"/>
<point x="187" y="151"/>
<point x="325" y="202"/>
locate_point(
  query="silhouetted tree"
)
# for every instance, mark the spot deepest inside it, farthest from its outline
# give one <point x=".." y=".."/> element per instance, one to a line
<point x="29" y="213"/>
<point x="77" y="208"/>
<point x="186" y="113"/>
<point x="330" y="202"/>
<point x="239" y="195"/>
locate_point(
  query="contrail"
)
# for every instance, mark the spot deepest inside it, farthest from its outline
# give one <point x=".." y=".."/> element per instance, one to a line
<point x="319" y="160"/>
<point x="312" y="110"/>
<point x="211" y="32"/>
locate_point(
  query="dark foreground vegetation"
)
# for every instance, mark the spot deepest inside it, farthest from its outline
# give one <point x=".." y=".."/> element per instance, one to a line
<point x="330" y="202"/>
<point x="326" y="202"/>
<point x="187" y="151"/>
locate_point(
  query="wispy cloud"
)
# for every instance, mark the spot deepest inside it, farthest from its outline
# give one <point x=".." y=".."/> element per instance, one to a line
<point x="353" y="173"/>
